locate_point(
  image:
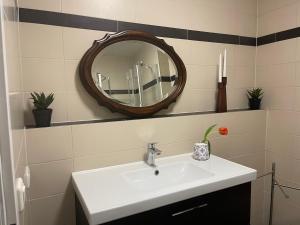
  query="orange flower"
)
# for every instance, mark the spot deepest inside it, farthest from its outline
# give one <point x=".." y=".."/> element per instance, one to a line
<point x="223" y="130"/>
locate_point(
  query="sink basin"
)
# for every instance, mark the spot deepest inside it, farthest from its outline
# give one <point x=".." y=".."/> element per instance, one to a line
<point x="165" y="176"/>
<point x="114" y="192"/>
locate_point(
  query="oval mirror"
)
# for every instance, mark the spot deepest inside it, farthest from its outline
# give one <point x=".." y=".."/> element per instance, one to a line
<point x="133" y="72"/>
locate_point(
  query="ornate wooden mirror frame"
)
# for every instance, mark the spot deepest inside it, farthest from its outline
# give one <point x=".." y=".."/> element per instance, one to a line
<point x="87" y="60"/>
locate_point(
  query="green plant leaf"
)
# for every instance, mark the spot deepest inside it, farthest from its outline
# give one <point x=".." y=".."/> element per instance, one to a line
<point x="207" y="132"/>
<point x="41" y="101"/>
<point x="255" y="93"/>
<point x="209" y="146"/>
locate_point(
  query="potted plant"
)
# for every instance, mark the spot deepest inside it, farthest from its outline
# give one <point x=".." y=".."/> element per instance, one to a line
<point x="202" y="150"/>
<point x="255" y="96"/>
<point x="42" y="114"/>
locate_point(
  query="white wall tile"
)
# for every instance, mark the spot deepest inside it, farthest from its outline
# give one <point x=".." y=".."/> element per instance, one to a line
<point x="282" y="75"/>
<point x="156" y="15"/>
<point x="245" y="56"/>
<point x="277" y="53"/>
<point x="13" y="65"/>
<point x="77" y="41"/>
<point x="55" y="210"/>
<point x="203" y="100"/>
<point x="87" y="8"/>
<point x="17" y="122"/>
<point x="51" y="178"/>
<point x="108" y="159"/>
<point x="71" y="73"/>
<point x="202" y="76"/>
<point x="208" y="18"/>
<point x="278" y="20"/>
<point x="246" y="25"/>
<point x="237" y="98"/>
<point x="21" y="162"/>
<point x="47" y="5"/>
<point x="43" y="144"/>
<point x="42" y="41"/>
<point x="81" y="106"/>
<point x="274" y="99"/>
<point x="38" y="77"/>
<point x="265" y="6"/>
<point x="256" y="161"/>
<point x="242" y="77"/>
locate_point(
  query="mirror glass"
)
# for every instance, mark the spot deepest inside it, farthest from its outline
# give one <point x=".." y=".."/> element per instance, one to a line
<point x="134" y="73"/>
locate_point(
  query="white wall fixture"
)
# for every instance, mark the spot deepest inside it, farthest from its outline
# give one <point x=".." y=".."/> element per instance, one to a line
<point x="21" y="193"/>
<point x="27" y="177"/>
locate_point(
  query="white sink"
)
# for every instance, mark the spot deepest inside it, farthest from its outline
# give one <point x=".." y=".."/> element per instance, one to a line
<point x="165" y="176"/>
<point x="114" y="192"/>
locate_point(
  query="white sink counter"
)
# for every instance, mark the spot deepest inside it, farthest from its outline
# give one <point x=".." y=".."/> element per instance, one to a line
<point x="114" y="192"/>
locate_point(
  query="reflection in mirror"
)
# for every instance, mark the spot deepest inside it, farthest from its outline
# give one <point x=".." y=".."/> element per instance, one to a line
<point x="134" y="73"/>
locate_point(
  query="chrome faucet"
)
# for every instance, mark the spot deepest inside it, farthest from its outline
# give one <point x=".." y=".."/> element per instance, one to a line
<point x="152" y="152"/>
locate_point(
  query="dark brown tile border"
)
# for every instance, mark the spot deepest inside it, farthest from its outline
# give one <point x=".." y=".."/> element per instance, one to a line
<point x="288" y="34"/>
<point x="84" y="22"/>
<point x="213" y="37"/>
<point x="248" y="41"/>
<point x="279" y="36"/>
<point x="266" y="39"/>
<point x="66" y="20"/>
<point x="155" y="30"/>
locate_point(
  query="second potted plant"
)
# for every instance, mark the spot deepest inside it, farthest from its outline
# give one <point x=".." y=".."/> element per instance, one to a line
<point x="42" y="114"/>
<point x="255" y="96"/>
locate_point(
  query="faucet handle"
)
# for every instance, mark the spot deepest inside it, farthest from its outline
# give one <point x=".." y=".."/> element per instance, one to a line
<point x="152" y="145"/>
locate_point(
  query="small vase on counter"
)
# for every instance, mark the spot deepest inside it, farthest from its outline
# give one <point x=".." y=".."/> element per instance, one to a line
<point x="202" y="149"/>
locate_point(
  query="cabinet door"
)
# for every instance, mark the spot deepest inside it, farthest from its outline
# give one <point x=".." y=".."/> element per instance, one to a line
<point x="232" y="205"/>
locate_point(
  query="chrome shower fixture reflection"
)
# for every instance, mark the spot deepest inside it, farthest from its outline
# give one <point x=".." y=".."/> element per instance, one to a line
<point x="100" y="79"/>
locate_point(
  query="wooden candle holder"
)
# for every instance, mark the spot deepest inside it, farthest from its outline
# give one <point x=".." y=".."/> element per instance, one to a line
<point x="222" y="96"/>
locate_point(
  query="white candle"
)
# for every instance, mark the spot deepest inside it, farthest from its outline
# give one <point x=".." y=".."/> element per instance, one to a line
<point x="220" y="69"/>
<point x="225" y="64"/>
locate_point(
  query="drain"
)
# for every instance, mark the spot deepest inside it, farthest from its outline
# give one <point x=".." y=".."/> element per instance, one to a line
<point x="156" y="172"/>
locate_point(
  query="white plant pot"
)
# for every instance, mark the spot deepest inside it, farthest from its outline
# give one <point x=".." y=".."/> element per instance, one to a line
<point x="201" y="151"/>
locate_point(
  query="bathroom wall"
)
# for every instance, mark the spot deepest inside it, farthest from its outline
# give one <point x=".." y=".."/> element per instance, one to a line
<point x="61" y="48"/>
<point x="13" y="73"/>
<point x="278" y="74"/>
<point x="49" y="60"/>
<point x="95" y="145"/>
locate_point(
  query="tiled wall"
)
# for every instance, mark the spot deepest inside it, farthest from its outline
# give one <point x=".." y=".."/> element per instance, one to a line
<point x="278" y="74"/>
<point x="13" y="69"/>
<point x="61" y="48"/>
<point x="49" y="61"/>
<point x="94" y="145"/>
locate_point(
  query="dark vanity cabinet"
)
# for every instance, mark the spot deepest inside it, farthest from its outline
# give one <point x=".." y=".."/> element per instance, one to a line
<point x="230" y="206"/>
